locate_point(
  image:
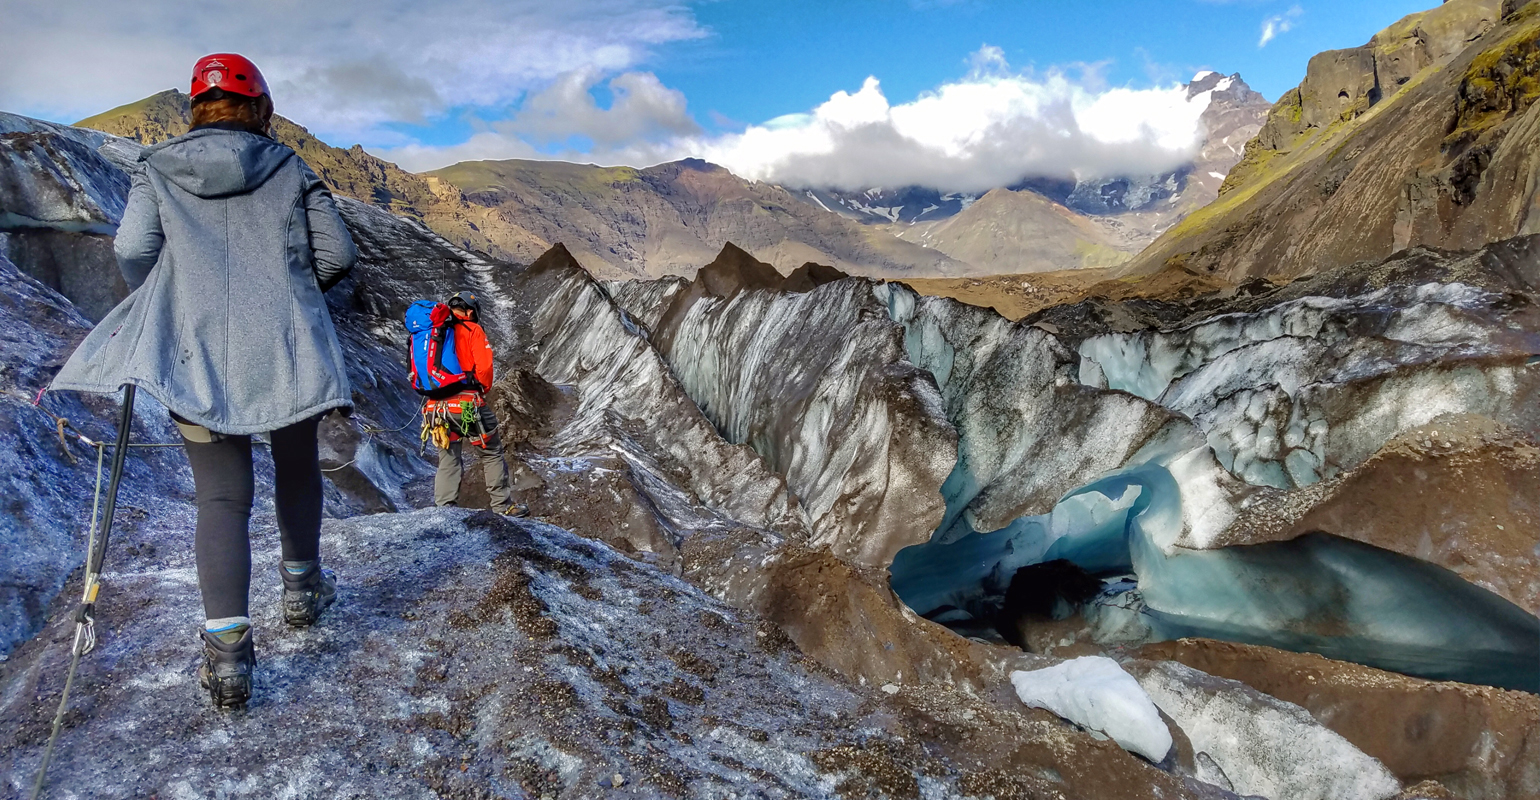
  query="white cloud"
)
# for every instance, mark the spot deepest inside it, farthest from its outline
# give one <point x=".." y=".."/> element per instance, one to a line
<point x="643" y="108"/>
<point x="990" y="129"/>
<point x="644" y="124"/>
<point x="1279" y="24"/>
<point x="342" y="67"/>
<point x="988" y="60"/>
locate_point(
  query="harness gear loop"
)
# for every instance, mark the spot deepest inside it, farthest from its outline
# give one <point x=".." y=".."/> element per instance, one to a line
<point x="96" y="553"/>
<point x="459" y="417"/>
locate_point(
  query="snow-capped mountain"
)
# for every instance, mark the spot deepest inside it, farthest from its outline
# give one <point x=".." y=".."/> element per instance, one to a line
<point x="1087" y="221"/>
<point x="880" y="205"/>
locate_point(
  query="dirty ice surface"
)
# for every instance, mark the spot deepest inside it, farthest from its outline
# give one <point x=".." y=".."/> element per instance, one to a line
<point x="467" y="654"/>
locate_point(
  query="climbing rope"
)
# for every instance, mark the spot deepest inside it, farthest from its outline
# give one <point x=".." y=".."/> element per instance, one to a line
<point x="67" y="431"/>
<point x="96" y="553"/>
<point x="83" y="634"/>
<point x="407" y="424"/>
<point x="62" y="424"/>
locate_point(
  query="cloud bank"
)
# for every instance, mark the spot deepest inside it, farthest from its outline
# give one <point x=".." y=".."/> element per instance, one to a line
<point x="992" y="128"/>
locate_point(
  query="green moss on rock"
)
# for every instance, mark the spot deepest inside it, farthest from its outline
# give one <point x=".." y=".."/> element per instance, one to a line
<point x="1500" y="83"/>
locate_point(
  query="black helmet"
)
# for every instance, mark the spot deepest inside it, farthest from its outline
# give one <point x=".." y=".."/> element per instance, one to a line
<point x="467" y="300"/>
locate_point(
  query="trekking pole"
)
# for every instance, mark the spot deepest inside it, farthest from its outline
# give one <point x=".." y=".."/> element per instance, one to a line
<point x="85" y="619"/>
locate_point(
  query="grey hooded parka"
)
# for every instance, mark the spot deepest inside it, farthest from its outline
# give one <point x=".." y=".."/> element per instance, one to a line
<point x="228" y="241"/>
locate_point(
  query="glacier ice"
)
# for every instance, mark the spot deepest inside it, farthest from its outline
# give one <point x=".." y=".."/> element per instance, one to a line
<point x="1124" y="451"/>
<point x="816" y="382"/>
<point x="1318" y="593"/>
<point x="54" y="179"/>
<point x="1261" y="745"/>
<point x="1028" y="431"/>
<point x="1094" y="692"/>
<point x="1168" y="435"/>
<point x="1296" y="392"/>
<point x="1344" y="600"/>
<point x="627" y="392"/>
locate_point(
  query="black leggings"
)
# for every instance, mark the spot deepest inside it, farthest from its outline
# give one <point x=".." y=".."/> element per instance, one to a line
<point x="222" y="473"/>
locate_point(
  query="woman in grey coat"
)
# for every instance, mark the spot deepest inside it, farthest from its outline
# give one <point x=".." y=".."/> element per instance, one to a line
<point x="228" y="242"/>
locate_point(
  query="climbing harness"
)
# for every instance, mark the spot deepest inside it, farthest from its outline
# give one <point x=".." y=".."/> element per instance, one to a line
<point x="458" y="417"/>
<point x="96" y="553"/>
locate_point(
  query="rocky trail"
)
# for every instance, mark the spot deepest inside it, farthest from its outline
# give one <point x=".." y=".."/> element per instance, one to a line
<point x="804" y="536"/>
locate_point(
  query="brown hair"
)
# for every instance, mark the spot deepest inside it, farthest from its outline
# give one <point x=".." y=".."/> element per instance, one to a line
<point x="219" y="106"/>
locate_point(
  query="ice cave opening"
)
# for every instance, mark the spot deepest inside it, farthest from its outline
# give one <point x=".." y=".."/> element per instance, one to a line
<point x="1318" y="593"/>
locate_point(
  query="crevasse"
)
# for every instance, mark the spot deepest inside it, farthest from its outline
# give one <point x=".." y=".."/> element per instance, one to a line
<point x="1329" y="401"/>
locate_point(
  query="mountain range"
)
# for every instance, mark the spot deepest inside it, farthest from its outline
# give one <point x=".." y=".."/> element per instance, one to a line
<point x="1045" y="224"/>
<point x="1425" y="135"/>
<point x="622" y="222"/>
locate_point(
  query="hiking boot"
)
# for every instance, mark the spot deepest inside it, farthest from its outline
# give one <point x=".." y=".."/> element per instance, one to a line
<point x="227" y="669"/>
<point x="516" y="510"/>
<point x="306" y="594"/>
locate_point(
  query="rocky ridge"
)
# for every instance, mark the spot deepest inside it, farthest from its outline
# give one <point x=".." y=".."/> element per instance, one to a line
<point x="619" y="222"/>
<point x="1423" y="136"/>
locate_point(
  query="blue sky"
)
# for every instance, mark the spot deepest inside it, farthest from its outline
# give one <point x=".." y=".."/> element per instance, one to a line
<point x="766" y="58"/>
<point x="759" y="59"/>
<point x="429" y="82"/>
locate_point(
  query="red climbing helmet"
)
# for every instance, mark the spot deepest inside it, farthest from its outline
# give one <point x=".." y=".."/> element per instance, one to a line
<point x="230" y="72"/>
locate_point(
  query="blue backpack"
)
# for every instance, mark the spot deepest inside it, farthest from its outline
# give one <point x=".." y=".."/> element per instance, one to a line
<point x="436" y="370"/>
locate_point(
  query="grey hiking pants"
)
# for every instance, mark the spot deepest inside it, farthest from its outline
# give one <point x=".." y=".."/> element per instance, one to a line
<point x="446" y="484"/>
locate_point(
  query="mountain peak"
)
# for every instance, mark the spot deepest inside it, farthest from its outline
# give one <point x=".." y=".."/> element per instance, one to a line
<point x="1228" y="87"/>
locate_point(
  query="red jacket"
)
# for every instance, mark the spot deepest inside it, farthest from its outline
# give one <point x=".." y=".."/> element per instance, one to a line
<point x="474" y="352"/>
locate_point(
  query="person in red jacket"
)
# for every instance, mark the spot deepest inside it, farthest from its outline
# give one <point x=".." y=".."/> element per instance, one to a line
<point x="475" y="355"/>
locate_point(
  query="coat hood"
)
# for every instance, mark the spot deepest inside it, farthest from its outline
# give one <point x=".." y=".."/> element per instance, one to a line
<point x="211" y="162"/>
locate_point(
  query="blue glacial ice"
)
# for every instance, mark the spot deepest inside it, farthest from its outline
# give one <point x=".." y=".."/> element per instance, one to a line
<point x="1318" y="593"/>
<point x="1155" y="443"/>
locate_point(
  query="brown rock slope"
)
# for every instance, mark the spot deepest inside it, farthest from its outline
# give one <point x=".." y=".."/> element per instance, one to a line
<point x="1015" y="232"/>
<point x="671" y="218"/>
<point x="1017" y="296"/>
<point x="1425" y="135"/>
<point x="619" y="222"/>
<point x="351" y="172"/>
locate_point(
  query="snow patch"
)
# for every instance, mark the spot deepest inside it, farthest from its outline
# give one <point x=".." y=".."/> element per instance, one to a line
<point x="1094" y="692"/>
